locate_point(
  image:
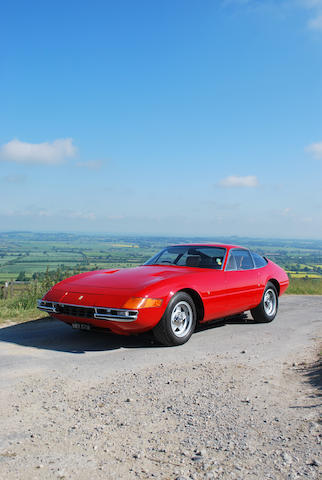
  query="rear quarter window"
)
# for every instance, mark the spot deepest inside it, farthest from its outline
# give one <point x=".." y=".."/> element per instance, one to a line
<point x="240" y="259"/>
<point x="258" y="260"/>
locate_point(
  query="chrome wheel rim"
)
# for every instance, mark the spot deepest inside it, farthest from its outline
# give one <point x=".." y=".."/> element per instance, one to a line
<point x="270" y="302"/>
<point x="181" y="319"/>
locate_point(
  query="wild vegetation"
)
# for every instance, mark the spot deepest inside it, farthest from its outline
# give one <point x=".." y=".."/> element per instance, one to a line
<point x="19" y="300"/>
<point x="305" y="286"/>
<point x="35" y="261"/>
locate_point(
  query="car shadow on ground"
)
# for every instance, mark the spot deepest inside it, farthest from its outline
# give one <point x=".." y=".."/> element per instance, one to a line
<point x="49" y="334"/>
<point x="241" y="319"/>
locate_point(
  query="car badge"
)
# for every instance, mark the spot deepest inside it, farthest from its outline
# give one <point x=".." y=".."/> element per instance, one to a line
<point x="81" y="297"/>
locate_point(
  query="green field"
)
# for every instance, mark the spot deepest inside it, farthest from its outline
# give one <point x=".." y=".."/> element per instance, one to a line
<point x="34" y="253"/>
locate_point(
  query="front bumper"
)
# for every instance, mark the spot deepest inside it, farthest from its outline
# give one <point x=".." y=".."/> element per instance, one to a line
<point x="88" y="312"/>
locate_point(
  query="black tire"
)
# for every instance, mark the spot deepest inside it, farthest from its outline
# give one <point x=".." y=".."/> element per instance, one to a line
<point x="266" y="311"/>
<point x="178" y="321"/>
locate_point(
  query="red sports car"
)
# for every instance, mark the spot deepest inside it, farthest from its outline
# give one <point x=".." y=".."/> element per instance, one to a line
<point x="173" y="291"/>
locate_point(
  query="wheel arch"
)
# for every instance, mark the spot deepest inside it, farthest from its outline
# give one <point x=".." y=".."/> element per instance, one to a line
<point x="197" y="301"/>
<point x="276" y="285"/>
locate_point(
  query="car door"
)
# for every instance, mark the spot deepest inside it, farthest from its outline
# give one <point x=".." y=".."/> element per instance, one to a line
<point x="213" y="293"/>
<point x="241" y="281"/>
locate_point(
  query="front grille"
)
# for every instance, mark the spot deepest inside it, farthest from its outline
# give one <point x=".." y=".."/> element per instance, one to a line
<point x="74" y="311"/>
<point x="101" y="313"/>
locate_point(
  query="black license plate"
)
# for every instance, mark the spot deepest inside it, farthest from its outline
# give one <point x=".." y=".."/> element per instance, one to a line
<point x="81" y="326"/>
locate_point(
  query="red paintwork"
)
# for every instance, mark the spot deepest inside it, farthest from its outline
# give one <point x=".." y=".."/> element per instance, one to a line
<point x="223" y="293"/>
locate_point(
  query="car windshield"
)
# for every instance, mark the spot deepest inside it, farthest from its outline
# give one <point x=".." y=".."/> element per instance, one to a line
<point x="190" y="256"/>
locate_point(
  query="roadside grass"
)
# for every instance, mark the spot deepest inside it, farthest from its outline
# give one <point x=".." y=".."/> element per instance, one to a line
<point x="305" y="286"/>
<point x="17" y="314"/>
<point x="22" y="306"/>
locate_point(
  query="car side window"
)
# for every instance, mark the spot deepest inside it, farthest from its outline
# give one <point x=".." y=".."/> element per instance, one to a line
<point x="240" y="260"/>
<point x="259" y="261"/>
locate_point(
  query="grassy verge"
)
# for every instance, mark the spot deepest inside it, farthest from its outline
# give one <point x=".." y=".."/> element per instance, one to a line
<point x="305" y="286"/>
<point x="22" y="305"/>
<point x="18" y="315"/>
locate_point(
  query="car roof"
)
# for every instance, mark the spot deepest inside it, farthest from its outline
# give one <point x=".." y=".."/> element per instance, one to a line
<point x="220" y="245"/>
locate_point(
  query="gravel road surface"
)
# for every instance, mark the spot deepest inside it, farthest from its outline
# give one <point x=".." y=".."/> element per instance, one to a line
<point x="238" y="401"/>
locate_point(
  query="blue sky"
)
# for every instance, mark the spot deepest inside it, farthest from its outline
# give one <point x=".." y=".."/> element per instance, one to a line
<point x="162" y="117"/>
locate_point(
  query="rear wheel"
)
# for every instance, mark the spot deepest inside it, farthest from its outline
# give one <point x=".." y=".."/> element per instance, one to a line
<point x="178" y="321"/>
<point x="266" y="311"/>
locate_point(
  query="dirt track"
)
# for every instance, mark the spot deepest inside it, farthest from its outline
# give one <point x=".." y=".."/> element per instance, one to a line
<point x="239" y="401"/>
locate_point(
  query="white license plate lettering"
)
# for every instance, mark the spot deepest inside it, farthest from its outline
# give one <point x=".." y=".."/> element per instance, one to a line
<point x="81" y="326"/>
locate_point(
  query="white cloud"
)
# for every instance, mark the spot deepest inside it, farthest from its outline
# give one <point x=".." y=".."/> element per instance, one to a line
<point x="311" y="3"/>
<point x="283" y="6"/>
<point x="28" y="212"/>
<point x="35" y="212"/>
<point x="315" y="149"/>
<point x="91" y="164"/>
<point x="83" y="215"/>
<point x="46" y="153"/>
<point x="315" y="23"/>
<point x="286" y="211"/>
<point x="237" y="181"/>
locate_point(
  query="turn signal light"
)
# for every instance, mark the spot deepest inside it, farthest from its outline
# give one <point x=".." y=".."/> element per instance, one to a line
<point x="141" y="302"/>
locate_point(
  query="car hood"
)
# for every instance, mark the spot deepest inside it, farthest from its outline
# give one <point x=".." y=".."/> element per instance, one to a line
<point x="126" y="278"/>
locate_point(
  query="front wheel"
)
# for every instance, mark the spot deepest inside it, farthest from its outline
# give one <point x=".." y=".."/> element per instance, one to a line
<point x="178" y="321"/>
<point x="266" y="311"/>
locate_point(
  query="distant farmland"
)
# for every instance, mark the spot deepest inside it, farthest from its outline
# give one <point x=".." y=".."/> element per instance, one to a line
<point x="25" y="255"/>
